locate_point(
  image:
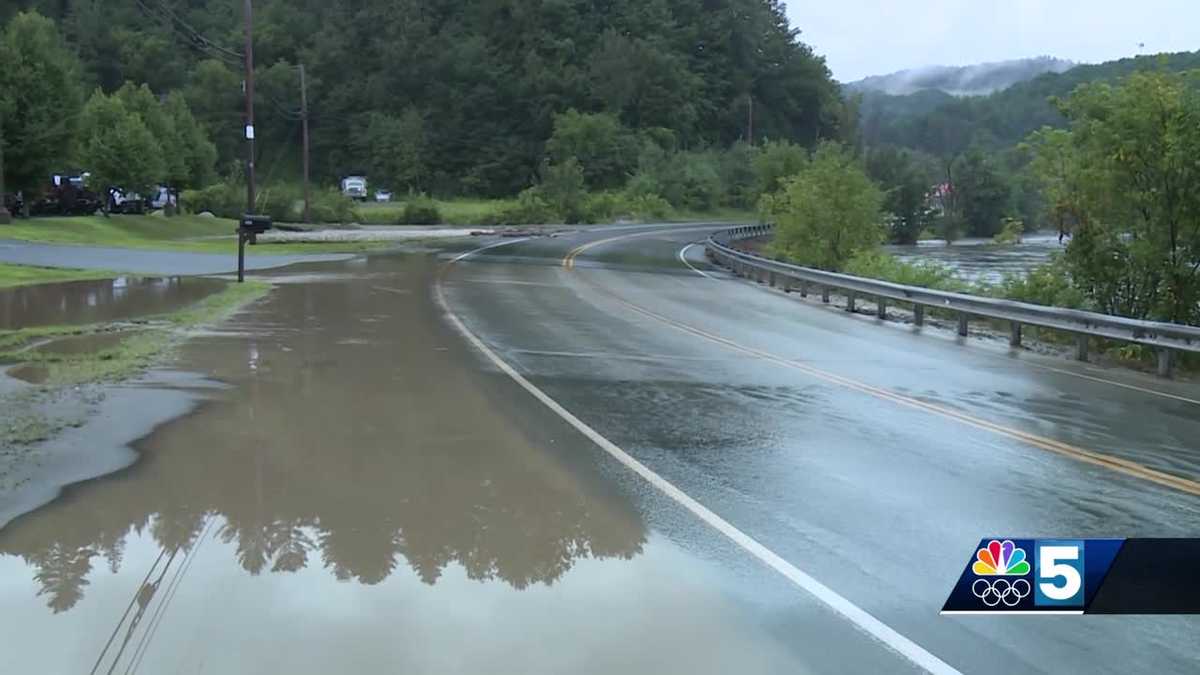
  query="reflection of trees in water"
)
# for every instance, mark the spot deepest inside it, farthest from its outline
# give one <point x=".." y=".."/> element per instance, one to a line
<point x="434" y="472"/>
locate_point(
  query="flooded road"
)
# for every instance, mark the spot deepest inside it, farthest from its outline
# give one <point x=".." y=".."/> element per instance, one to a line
<point x="351" y="487"/>
<point x="359" y="496"/>
<point x="76" y="303"/>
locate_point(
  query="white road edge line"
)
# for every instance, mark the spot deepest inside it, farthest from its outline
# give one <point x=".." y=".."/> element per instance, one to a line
<point x="683" y="259"/>
<point x="830" y="598"/>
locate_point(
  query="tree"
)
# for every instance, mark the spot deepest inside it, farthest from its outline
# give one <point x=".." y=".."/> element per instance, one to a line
<point x="828" y="212"/>
<point x="198" y="154"/>
<point x="982" y="194"/>
<point x="118" y="148"/>
<point x="776" y="162"/>
<point x="906" y="181"/>
<point x="40" y="90"/>
<point x="1125" y="172"/>
<point x="605" y="149"/>
<point x="395" y="148"/>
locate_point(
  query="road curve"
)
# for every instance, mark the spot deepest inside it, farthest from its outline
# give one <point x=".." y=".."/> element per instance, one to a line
<point x="867" y="457"/>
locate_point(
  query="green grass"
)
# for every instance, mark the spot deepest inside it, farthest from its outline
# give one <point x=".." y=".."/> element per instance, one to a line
<point x="454" y="211"/>
<point x="181" y="233"/>
<point x="24" y="275"/>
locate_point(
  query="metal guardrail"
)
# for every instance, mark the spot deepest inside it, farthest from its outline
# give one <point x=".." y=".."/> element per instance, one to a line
<point x="1165" y="337"/>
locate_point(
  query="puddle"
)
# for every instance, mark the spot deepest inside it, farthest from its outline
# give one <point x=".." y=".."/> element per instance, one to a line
<point x="84" y="302"/>
<point x="82" y="344"/>
<point x="33" y="373"/>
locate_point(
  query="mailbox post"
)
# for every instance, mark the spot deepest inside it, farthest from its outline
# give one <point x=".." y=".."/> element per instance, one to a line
<point x="248" y="231"/>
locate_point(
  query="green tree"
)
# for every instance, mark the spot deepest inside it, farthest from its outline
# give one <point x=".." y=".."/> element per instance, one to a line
<point x="197" y="152"/>
<point x="776" y="162"/>
<point x="40" y="90"/>
<point x="395" y="147"/>
<point x="562" y="188"/>
<point x="906" y="180"/>
<point x="982" y="193"/>
<point x="828" y="212"/>
<point x="605" y="149"/>
<point x="118" y="148"/>
<point x="1125" y="171"/>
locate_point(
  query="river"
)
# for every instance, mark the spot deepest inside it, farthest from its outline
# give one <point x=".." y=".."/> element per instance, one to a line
<point x="981" y="259"/>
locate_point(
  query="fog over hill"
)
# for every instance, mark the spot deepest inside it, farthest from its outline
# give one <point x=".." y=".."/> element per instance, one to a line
<point x="974" y="80"/>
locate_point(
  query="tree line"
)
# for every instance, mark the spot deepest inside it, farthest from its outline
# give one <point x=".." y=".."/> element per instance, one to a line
<point x="459" y="97"/>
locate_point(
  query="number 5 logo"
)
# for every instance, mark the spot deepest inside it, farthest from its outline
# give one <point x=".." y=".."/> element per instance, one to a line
<point x="1059" y="567"/>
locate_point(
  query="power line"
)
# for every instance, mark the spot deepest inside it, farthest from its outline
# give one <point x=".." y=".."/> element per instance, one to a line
<point x="167" y="16"/>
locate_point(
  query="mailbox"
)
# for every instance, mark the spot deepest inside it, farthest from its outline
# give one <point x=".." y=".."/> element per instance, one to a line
<point x="255" y="224"/>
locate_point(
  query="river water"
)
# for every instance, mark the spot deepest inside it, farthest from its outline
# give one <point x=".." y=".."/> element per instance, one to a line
<point x="981" y="260"/>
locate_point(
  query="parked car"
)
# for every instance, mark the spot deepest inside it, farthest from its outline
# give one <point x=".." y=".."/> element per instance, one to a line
<point x="383" y="196"/>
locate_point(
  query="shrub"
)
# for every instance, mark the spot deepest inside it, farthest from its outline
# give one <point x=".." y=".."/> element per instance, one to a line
<point x="530" y="209"/>
<point x="927" y="274"/>
<point x="331" y="206"/>
<point x="649" y="207"/>
<point x="1010" y="233"/>
<point x="421" y="210"/>
<point x="1048" y="284"/>
<point x="280" y="203"/>
<point x="604" y="207"/>
<point x="562" y="187"/>
<point x="219" y="199"/>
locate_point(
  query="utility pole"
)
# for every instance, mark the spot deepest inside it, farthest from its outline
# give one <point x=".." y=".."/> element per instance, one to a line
<point x="5" y="216"/>
<point x="250" y="200"/>
<point x="750" y="108"/>
<point x="304" y="124"/>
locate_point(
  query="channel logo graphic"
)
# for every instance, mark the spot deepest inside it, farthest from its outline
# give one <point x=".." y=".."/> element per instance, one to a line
<point x="1019" y="576"/>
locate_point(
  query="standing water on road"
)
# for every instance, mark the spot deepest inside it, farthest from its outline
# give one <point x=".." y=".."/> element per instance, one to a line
<point x="981" y="260"/>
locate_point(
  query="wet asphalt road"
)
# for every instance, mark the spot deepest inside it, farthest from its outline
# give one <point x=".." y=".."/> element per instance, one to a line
<point x="356" y="489"/>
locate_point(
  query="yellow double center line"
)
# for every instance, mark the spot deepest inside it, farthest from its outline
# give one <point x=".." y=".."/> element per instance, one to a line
<point x="1122" y="466"/>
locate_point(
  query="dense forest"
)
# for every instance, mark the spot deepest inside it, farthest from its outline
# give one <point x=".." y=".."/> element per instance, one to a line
<point x="456" y="97"/>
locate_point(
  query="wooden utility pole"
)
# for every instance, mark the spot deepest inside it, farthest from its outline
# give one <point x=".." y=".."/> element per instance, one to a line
<point x="250" y="197"/>
<point x="304" y="125"/>
<point x="5" y="216"/>
<point x="750" y="106"/>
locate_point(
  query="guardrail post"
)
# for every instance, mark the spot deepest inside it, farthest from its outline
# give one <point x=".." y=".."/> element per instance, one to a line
<point x="825" y="294"/>
<point x="771" y="277"/>
<point x="881" y="308"/>
<point x="1165" y="362"/>
<point x="850" y="298"/>
<point x="804" y="289"/>
<point x="919" y="315"/>
<point x="1014" y="336"/>
<point x="962" y="324"/>
<point x="1081" y="347"/>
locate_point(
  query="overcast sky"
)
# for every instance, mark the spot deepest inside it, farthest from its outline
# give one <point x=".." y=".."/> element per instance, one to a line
<point x="875" y="37"/>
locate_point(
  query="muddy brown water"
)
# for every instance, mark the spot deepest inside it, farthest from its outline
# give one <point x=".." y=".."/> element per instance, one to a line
<point x="358" y="442"/>
<point x="76" y="303"/>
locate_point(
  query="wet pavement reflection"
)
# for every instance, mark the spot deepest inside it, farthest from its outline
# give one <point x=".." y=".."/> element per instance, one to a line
<point x="76" y="303"/>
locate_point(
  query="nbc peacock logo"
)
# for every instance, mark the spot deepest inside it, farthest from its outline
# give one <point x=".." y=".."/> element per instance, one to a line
<point x="1000" y="559"/>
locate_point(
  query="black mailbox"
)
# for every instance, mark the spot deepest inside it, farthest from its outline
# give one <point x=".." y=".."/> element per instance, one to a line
<point x="255" y="224"/>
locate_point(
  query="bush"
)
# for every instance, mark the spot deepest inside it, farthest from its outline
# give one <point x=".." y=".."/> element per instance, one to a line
<point x="604" y="207"/>
<point x="649" y="207"/>
<point x="530" y="209"/>
<point x="879" y="265"/>
<point x="421" y="210"/>
<point x="331" y="206"/>
<point x="1011" y="232"/>
<point x="1048" y="284"/>
<point x="219" y="199"/>
<point x="280" y="202"/>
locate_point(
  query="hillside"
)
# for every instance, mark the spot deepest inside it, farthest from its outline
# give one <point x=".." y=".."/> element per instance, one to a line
<point x="457" y="96"/>
<point x="941" y="124"/>
<point x="974" y="80"/>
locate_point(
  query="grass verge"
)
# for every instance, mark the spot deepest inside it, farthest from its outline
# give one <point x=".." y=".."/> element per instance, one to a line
<point x="24" y="275"/>
<point x="194" y="234"/>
